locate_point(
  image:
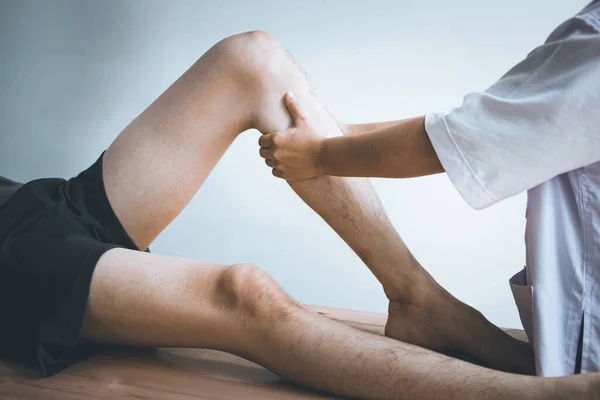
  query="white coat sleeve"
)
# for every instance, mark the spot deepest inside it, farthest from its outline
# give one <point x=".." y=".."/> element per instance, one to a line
<point x="541" y="119"/>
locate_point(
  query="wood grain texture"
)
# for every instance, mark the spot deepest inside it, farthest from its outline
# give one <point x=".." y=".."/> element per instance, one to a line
<point x="173" y="374"/>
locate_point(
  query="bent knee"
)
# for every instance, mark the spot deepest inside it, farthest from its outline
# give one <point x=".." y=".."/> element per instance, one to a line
<point x="256" y="40"/>
<point x="248" y="290"/>
<point x="257" y="59"/>
<point x="255" y="46"/>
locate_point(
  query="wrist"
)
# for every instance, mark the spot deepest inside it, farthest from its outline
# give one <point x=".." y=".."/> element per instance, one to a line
<point x="320" y="158"/>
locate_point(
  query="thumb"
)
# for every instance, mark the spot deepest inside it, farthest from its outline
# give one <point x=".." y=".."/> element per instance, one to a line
<point x="294" y="109"/>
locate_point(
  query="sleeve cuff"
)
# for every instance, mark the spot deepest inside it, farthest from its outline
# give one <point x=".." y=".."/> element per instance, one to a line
<point x="459" y="171"/>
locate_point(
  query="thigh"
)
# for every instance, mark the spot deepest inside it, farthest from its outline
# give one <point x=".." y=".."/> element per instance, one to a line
<point x="146" y="299"/>
<point x="160" y="160"/>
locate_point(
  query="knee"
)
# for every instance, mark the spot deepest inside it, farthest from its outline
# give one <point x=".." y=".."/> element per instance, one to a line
<point x="261" y="70"/>
<point x="256" y="44"/>
<point x="252" y="294"/>
<point x="251" y="56"/>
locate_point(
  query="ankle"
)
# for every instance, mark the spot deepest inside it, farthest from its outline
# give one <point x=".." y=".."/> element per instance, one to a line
<point x="410" y="283"/>
<point x="418" y="289"/>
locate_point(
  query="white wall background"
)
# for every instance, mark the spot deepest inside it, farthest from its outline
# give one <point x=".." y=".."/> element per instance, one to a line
<point x="74" y="73"/>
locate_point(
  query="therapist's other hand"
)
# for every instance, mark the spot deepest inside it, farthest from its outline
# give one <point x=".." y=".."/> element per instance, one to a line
<point x="293" y="154"/>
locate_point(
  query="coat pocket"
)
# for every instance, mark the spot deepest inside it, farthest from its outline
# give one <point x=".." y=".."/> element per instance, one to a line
<point x="523" y="295"/>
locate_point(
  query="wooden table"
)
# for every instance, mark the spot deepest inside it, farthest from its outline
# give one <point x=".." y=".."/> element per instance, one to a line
<point x="173" y="374"/>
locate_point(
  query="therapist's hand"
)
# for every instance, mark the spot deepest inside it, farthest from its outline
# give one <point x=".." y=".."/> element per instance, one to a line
<point x="293" y="154"/>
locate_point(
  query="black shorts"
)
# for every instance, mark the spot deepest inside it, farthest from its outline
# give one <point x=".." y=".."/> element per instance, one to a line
<point x="52" y="234"/>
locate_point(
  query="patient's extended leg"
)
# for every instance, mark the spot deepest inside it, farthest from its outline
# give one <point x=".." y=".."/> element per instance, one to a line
<point x="146" y="299"/>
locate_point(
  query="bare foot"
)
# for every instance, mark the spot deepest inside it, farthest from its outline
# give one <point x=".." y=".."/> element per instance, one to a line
<point x="442" y="323"/>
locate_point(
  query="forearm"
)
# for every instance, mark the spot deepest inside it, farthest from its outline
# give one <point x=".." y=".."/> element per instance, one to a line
<point x="401" y="149"/>
<point x="359" y="129"/>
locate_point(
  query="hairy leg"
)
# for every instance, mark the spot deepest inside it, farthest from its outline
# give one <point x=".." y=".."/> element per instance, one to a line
<point x="420" y="311"/>
<point x="151" y="300"/>
<point x="161" y="159"/>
